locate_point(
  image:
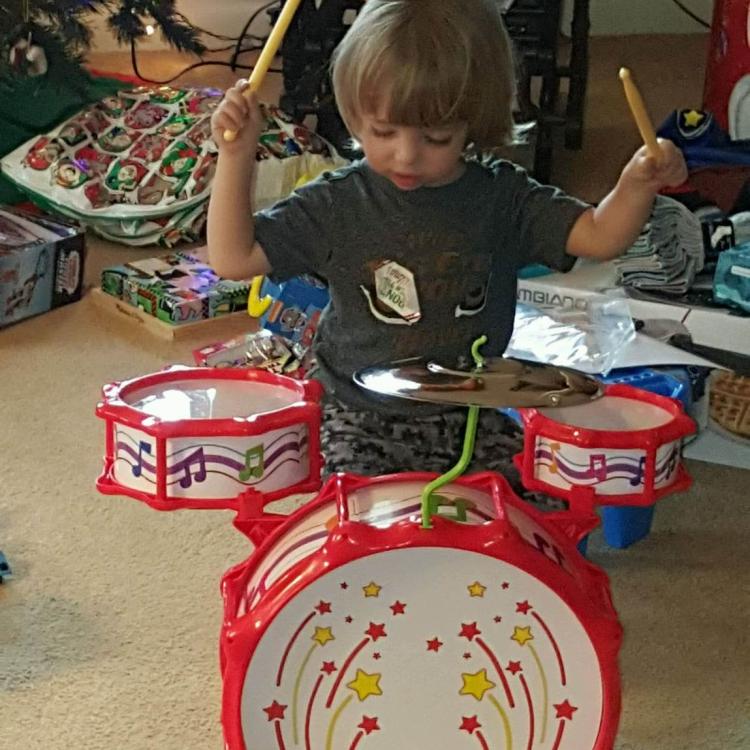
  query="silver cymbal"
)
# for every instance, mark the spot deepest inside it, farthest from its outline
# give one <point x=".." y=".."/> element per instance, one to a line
<point x="502" y="383"/>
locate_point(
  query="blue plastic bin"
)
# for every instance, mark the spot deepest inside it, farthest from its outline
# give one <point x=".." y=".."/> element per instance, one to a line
<point x="624" y="525"/>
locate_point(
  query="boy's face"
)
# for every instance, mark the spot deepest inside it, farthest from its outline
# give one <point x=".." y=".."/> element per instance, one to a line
<point x="412" y="157"/>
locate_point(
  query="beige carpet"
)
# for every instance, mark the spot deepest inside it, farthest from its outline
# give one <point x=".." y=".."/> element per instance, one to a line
<point x="108" y="633"/>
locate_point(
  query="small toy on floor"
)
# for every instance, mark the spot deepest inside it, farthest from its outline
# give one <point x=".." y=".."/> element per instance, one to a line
<point x="176" y="288"/>
<point x="261" y="350"/>
<point x="5" y="571"/>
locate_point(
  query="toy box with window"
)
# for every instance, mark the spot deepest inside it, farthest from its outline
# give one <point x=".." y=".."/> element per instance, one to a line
<point x="41" y="264"/>
<point x="295" y="309"/>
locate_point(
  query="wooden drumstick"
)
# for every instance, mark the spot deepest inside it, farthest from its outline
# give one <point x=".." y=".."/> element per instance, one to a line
<point x="270" y="48"/>
<point x="640" y="115"/>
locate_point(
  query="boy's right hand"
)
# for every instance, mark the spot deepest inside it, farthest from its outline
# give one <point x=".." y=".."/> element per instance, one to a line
<point x="238" y="111"/>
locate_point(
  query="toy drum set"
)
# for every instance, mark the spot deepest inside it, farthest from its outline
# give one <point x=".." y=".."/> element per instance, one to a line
<point x="352" y="625"/>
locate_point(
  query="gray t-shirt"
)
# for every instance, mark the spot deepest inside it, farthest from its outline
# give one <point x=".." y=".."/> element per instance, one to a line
<point x="463" y="243"/>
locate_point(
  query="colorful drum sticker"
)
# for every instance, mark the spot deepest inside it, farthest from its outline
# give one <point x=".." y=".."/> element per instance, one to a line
<point x="43" y="153"/>
<point x="209" y="467"/>
<point x="117" y="139"/>
<point x="490" y="659"/>
<point x="125" y="175"/>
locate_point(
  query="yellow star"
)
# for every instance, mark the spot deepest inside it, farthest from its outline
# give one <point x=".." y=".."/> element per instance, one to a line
<point x="476" y="589"/>
<point x="476" y="684"/>
<point x="693" y="118"/>
<point x="372" y="589"/>
<point x="323" y="635"/>
<point x="365" y="685"/>
<point x="522" y="635"/>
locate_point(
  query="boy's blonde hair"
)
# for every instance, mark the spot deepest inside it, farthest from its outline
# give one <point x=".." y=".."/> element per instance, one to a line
<point x="429" y="63"/>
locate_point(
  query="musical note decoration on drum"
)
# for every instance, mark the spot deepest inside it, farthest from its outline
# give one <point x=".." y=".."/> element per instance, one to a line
<point x="625" y="448"/>
<point x="193" y="437"/>
<point x="351" y="626"/>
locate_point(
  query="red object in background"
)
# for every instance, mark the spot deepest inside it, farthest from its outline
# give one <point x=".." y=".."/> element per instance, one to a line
<point x="135" y="80"/>
<point x="727" y="86"/>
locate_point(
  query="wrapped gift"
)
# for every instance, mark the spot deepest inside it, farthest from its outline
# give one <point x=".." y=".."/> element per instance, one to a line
<point x="138" y="166"/>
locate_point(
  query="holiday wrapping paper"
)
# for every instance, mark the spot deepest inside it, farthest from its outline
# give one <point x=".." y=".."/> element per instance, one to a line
<point x="137" y="165"/>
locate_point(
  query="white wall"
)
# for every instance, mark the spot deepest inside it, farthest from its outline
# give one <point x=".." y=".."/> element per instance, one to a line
<point x="607" y="17"/>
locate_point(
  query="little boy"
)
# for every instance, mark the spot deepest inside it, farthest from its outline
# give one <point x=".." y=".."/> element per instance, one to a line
<point x="420" y="242"/>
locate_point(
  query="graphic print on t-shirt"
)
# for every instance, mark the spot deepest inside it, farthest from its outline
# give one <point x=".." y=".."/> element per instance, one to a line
<point x="432" y="297"/>
<point x="395" y="295"/>
<point x="474" y="300"/>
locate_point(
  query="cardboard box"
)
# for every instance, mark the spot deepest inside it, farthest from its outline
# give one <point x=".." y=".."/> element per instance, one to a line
<point x="41" y="264"/>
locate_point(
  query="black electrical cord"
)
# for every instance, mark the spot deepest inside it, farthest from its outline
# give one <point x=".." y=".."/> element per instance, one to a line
<point x="245" y="29"/>
<point x="692" y="15"/>
<point x="236" y="45"/>
<point x="202" y="63"/>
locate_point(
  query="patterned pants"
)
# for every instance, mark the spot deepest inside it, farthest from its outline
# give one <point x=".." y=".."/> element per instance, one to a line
<point x="371" y="444"/>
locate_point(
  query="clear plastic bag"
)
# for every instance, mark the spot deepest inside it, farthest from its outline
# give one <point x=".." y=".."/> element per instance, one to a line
<point x="587" y="340"/>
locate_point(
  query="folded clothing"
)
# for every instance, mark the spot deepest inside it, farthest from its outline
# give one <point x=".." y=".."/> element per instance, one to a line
<point x="667" y="254"/>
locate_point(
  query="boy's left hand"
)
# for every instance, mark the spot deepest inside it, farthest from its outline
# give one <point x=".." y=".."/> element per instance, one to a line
<point x="645" y="171"/>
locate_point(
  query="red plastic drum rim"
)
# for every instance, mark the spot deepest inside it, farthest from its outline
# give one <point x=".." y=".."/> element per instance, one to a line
<point x="679" y="426"/>
<point x="583" y="588"/>
<point x="172" y="471"/>
<point x="115" y="406"/>
<point x="327" y="495"/>
<point x="607" y="484"/>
